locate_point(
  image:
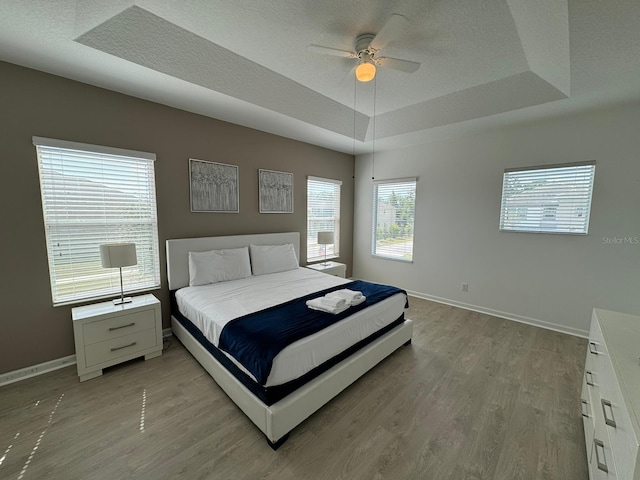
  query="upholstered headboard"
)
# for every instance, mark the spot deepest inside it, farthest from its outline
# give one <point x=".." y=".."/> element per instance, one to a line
<point x="178" y="250"/>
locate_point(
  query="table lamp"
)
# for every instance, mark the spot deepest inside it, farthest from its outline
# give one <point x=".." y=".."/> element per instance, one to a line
<point x="325" y="238"/>
<point x="118" y="255"/>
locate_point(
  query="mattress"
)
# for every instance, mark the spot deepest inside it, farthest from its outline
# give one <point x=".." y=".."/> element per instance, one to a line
<point x="210" y="307"/>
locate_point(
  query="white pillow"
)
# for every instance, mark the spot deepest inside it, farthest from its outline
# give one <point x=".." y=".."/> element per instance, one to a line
<point x="218" y="266"/>
<point x="273" y="258"/>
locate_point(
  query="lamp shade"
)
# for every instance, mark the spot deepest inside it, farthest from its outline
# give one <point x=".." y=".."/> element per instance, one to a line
<point x="325" y="238"/>
<point x="365" y="72"/>
<point x="113" y="255"/>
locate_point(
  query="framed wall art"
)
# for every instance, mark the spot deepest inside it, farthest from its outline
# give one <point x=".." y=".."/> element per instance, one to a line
<point x="275" y="191"/>
<point x="214" y="187"/>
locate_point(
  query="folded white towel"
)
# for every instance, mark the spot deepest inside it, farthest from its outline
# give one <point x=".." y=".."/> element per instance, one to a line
<point x="334" y="302"/>
<point x="358" y="301"/>
<point x="318" y="304"/>
<point x="354" y="297"/>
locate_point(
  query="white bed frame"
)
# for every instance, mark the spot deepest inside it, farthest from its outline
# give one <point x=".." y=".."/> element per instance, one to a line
<point x="277" y="420"/>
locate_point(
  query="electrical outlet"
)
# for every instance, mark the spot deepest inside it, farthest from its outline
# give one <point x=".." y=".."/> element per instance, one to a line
<point x="464" y="287"/>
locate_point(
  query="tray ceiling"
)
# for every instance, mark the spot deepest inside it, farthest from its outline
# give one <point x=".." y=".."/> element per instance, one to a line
<point x="483" y="63"/>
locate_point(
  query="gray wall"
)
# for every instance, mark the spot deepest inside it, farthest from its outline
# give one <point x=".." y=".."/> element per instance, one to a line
<point x="35" y="103"/>
<point x="549" y="280"/>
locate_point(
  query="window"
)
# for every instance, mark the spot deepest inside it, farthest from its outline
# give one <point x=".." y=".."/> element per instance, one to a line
<point x="394" y="204"/>
<point x="323" y="215"/>
<point x="93" y="195"/>
<point x="548" y="199"/>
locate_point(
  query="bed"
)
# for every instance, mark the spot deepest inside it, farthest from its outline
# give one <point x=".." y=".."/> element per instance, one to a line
<point x="282" y="397"/>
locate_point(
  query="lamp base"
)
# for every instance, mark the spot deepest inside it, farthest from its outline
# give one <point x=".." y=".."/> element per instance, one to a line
<point x="120" y="301"/>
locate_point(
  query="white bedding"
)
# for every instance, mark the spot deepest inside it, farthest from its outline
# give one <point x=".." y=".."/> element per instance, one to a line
<point x="211" y="307"/>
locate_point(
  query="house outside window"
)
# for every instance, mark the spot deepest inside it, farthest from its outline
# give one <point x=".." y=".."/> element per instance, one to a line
<point x="393" y="219"/>
<point x="547" y="199"/>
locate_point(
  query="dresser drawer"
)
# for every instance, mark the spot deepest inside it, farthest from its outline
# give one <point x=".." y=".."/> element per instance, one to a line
<point x="602" y="462"/>
<point x="610" y="404"/>
<point x="597" y="455"/>
<point x="124" y="346"/>
<point x="597" y="345"/>
<point x="618" y="425"/>
<point x="587" y="415"/>
<point x="612" y="370"/>
<point x="118" y="326"/>
<point x="598" y="361"/>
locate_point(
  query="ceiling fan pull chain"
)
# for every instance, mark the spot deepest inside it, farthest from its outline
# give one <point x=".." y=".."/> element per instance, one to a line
<point x="373" y="143"/>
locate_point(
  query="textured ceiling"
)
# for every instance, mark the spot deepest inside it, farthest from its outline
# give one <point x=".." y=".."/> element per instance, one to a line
<point x="483" y="63"/>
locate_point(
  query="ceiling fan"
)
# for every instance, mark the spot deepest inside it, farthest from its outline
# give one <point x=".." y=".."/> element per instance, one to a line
<point x="368" y="45"/>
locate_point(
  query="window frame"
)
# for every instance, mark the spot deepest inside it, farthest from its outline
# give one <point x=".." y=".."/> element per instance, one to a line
<point x="312" y="241"/>
<point x="376" y="209"/>
<point x="560" y="209"/>
<point x="125" y="211"/>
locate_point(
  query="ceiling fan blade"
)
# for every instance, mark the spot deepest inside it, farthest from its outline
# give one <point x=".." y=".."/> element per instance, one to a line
<point x="349" y="79"/>
<point x="406" y="66"/>
<point x="330" y="51"/>
<point x="394" y="26"/>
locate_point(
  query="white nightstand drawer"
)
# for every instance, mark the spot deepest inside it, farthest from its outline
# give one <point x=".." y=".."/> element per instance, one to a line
<point x="120" y="347"/>
<point x="118" y="326"/>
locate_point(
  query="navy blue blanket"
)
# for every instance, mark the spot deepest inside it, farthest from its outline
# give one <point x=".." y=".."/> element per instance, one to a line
<point x="255" y="339"/>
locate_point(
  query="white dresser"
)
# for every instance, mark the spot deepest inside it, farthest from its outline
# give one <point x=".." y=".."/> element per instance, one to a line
<point x="611" y="396"/>
<point x="106" y="334"/>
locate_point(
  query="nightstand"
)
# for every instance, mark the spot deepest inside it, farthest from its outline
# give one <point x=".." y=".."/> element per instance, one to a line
<point x="106" y="334"/>
<point x="332" y="268"/>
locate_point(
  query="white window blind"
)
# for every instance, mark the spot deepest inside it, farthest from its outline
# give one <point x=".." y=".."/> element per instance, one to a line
<point x="394" y="204"/>
<point x="323" y="215"/>
<point x="93" y="195"/>
<point x="547" y="199"/>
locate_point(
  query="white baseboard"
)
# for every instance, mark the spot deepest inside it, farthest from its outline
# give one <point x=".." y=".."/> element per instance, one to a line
<point x="34" y="370"/>
<point x="28" y="372"/>
<point x="508" y="316"/>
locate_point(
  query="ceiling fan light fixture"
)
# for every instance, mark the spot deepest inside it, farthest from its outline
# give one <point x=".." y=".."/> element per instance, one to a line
<point x="365" y="72"/>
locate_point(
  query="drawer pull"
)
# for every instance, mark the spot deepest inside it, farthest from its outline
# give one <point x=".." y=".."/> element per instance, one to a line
<point x="609" y="421"/>
<point x="124" y="346"/>
<point x="585" y="408"/>
<point x="601" y="466"/>
<point x="111" y="329"/>
<point x="593" y="349"/>
<point x="589" y="377"/>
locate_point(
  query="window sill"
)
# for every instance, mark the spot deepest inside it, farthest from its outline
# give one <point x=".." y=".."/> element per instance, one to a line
<point x="395" y="259"/>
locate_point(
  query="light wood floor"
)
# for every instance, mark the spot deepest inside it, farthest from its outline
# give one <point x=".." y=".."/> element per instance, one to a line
<point x="474" y="397"/>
